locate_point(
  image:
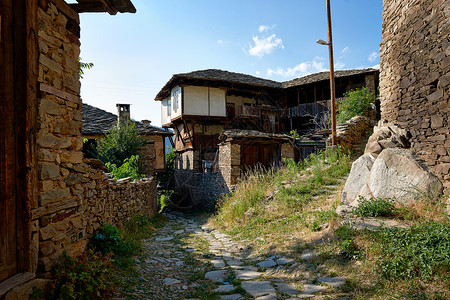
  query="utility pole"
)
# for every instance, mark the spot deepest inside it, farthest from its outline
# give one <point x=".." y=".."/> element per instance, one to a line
<point x="332" y="84"/>
<point x="332" y="87"/>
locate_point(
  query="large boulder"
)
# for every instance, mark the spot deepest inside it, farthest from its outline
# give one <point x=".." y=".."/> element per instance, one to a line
<point x="387" y="135"/>
<point x="396" y="173"/>
<point x="357" y="178"/>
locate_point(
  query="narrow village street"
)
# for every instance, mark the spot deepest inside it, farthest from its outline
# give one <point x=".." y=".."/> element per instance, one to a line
<point x="186" y="259"/>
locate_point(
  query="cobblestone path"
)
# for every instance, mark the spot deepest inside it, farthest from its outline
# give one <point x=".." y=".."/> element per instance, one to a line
<point x="188" y="260"/>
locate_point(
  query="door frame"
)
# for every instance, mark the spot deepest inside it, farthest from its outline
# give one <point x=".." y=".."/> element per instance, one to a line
<point x="22" y="20"/>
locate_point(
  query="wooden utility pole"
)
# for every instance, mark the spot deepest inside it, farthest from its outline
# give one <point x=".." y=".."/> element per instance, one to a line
<point x="332" y="87"/>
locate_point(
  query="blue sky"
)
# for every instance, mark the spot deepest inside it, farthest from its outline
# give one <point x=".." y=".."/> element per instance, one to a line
<point x="134" y="55"/>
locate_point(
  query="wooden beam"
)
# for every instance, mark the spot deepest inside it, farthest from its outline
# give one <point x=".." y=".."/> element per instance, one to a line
<point x="26" y="111"/>
<point x="91" y="6"/>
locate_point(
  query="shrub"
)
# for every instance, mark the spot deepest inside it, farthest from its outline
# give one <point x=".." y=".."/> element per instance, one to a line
<point x="86" y="277"/>
<point x="355" y="103"/>
<point x="422" y="251"/>
<point x="378" y="207"/>
<point x="110" y="239"/>
<point x="129" y="168"/>
<point x="119" y="144"/>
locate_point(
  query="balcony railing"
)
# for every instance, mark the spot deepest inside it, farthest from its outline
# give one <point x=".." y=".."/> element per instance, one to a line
<point x="307" y="109"/>
<point x="248" y="111"/>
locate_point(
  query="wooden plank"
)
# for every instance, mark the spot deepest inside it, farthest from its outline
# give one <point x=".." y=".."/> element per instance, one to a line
<point x="54" y="207"/>
<point x="8" y="258"/>
<point x="61" y="94"/>
<point x="16" y="280"/>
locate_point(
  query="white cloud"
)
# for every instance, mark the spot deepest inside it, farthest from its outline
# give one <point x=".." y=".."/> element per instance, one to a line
<point x="265" y="45"/>
<point x="220" y="42"/>
<point x="376" y="66"/>
<point x="373" y="56"/>
<point x="339" y="65"/>
<point x="345" y="51"/>
<point x="263" y="28"/>
<point x="302" y="69"/>
<point x="258" y="72"/>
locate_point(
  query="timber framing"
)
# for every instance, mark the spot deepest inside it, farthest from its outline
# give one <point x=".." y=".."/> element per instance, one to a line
<point x="110" y="6"/>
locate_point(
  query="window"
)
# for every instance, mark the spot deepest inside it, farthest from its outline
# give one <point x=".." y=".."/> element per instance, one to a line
<point x="169" y="108"/>
<point x="176" y="93"/>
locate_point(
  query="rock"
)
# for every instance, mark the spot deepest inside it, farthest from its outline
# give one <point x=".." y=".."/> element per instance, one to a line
<point x="231" y="297"/>
<point x="164" y="239"/>
<point x="333" y="281"/>
<point x="398" y="174"/>
<point x="272" y="296"/>
<point x="247" y="275"/>
<point x="218" y="263"/>
<point x="312" y="288"/>
<point x="284" y="261"/>
<point x="387" y="135"/>
<point x="225" y="288"/>
<point x="258" y="288"/>
<point x="287" y="288"/>
<point x="171" y="281"/>
<point x="307" y="255"/>
<point x="357" y="178"/>
<point x="268" y="263"/>
<point x="344" y="210"/>
<point x="216" y="276"/>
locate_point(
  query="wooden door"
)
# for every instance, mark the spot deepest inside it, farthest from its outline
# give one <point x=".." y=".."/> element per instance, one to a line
<point x="8" y="249"/>
<point x="266" y="155"/>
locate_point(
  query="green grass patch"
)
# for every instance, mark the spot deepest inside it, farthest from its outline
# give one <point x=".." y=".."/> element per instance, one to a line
<point x="375" y="207"/>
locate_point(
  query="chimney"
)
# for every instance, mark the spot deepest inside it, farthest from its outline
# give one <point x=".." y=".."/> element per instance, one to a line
<point x="123" y="111"/>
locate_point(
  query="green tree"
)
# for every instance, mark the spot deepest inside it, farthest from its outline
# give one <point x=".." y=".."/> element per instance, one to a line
<point x="83" y="66"/>
<point x="355" y="103"/>
<point x="119" y="144"/>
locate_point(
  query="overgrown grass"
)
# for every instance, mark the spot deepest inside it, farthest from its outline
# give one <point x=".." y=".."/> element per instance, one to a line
<point x="293" y="209"/>
<point x="270" y="204"/>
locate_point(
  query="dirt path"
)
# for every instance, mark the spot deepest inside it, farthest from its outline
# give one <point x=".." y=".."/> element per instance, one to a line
<point x="188" y="260"/>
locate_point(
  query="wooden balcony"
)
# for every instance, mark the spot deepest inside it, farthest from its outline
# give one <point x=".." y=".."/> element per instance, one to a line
<point x="248" y="111"/>
<point x="307" y="109"/>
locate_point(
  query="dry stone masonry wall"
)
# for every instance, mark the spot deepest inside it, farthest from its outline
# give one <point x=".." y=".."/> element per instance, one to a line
<point x="75" y="197"/>
<point x="415" y="78"/>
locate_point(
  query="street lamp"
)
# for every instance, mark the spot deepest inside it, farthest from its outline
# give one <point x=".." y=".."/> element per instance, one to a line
<point x="332" y="89"/>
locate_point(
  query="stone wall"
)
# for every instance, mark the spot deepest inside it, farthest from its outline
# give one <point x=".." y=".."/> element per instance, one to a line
<point x="74" y="197"/>
<point x="353" y="134"/>
<point x="230" y="163"/>
<point x="415" y="79"/>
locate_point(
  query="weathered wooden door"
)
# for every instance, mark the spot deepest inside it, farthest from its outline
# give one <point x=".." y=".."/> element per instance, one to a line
<point x="8" y="249"/>
<point x="266" y="155"/>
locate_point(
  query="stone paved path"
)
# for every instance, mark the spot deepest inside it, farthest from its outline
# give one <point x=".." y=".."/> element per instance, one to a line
<point x="187" y="260"/>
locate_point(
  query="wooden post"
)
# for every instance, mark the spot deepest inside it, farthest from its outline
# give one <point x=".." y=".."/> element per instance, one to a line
<point x="332" y="88"/>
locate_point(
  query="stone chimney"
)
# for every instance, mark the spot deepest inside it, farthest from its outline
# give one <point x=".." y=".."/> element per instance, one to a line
<point x="123" y="111"/>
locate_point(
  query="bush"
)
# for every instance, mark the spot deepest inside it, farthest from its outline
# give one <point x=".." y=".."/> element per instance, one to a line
<point x="422" y="251"/>
<point x="86" y="277"/>
<point x="119" y="144"/>
<point x="110" y="239"/>
<point x="378" y="207"/>
<point x="129" y="168"/>
<point x="355" y="103"/>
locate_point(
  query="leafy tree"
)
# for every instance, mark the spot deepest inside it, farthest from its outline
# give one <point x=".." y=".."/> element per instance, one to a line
<point x="129" y="168"/>
<point x="120" y="143"/>
<point x="83" y="66"/>
<point x="355" y="103"/>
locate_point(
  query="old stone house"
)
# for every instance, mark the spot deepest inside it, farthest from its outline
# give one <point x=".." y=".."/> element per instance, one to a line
<point x="415" y="77"/>
<point x="97" y="122"/>
<point x="200" y="105"/>
<point x="51" y="198"/>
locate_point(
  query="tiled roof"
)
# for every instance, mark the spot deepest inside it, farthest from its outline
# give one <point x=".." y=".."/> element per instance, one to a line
<point x="231" y="77"/>
<point x="249" y="134"/>
<point x="99" y="121"/>
<point x="217" y="75"/>
<point x="325" y="76"/>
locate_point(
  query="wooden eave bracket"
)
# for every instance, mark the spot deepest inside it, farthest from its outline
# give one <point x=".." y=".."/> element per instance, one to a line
<point x="110" y="6"/>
